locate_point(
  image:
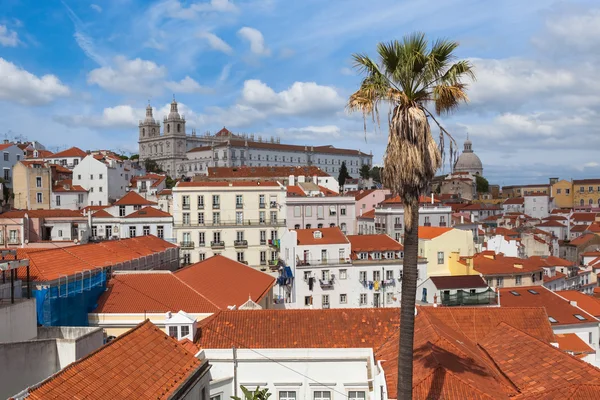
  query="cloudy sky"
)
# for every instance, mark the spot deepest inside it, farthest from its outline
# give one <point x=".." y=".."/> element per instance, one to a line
<point x="78" y="72"/>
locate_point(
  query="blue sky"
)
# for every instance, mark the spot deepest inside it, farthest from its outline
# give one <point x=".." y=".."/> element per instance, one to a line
<point x="77" y="72"/>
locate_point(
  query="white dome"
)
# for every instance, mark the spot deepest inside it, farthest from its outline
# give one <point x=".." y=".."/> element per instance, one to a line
<point x="469" y="161"/>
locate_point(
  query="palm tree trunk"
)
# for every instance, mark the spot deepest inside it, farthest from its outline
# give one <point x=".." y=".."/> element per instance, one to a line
<point x="407" y="307"/>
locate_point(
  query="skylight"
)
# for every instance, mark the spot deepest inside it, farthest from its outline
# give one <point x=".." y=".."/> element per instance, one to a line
<point x="552" y="320"/>
<point x="515" y="293"/>
<point x="580" y="317"/>
<point x="532" y="291"/>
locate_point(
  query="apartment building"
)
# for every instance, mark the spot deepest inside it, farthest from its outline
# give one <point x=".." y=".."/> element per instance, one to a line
<point x="563" y="193"/>
<point x="149" y="185"/>
<point x="68" y="158"/>
<point x="11" y="154"/>
<point x="240" y="220"/>
<point x="521" y="190"/>
<point x="33" y="183"/>
<point x="311" y="206"/>
<point x="66" y="196"/>
<point x="389" y="216"/>
<point x="586" y="192"/>
<point x="105" y="178"/>
<point x="436" y="244"/>
<point x="42" y="228"/>
<point x="333" y="270"/>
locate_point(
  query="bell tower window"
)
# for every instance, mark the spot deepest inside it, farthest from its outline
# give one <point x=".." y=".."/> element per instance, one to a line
<point x="143" y="131"/>
<point x="168" y="128"/>
<point x="178" y="128"/>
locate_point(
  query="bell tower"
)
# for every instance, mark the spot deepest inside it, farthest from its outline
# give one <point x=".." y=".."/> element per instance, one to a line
<point x="149" y="130"/>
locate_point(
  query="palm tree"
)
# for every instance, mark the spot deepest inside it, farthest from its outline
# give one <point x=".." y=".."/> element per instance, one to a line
<point x="410" y="77"/>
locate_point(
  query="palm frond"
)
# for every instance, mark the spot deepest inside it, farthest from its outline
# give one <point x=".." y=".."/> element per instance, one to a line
<point x="447" y="98"/>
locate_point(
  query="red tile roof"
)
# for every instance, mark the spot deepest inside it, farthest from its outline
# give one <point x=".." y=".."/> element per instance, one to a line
<point x="458" y="282"/>
<point x="369" y="243"/>
<point x="367" y="215"/>
<point x="226" y="184"/>
<point x="143" y="363"/>
<point x="328" y="149"/>
<point x="557" y="275"/>
<point x="16" y="214"/>
<point x="60" y="169"/>
<point x="226" y="282"/>
<point x="551" y="224"/>
<point x="556" y="306"/>
<point x="43" y="154"/>
<point x="360" y="194"/>
<point x="583" y="217"/>
<point x="584" y="301"/>
<point x="327" y="192"/>
<point x="133" y="199"/>
<point x="431" y="232"/>
<point x="66" y="185"/>
<point x="70" y="152"/>
<point x="591" y="254"/>
<point x="498" y="264"/>
<point x="572" y="343"/>
<point x="334" y="235"/>
<point x="264" y="172"/>
<point x="585" y="181"/>
<point x="422" y="200"/>
<point x="165" y="192"/>
<point x="148" y="212"/>
<point x="514" y="200"/>
<point x="295" y="191"/>
<point x="102" y="214"/>
<point x="566" y="392"/>
<point x="582" y="240"/>
<point x="579" y="228"/>
<point x="152" y="292"/>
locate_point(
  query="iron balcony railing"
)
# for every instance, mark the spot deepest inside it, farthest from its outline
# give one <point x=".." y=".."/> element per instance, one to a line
<point x="215" y="245"/>
<point x="326" y="282"/>
<point x="224" y="223"/>
<point x="239" y="205"/>
<point x="216" y="206"/>
<point x="240" y="243"/>
<point x="186" y="245"/>
<point x="185" y="206"/>
<point x="262" y="205"/>
<point x="327" y="261"/>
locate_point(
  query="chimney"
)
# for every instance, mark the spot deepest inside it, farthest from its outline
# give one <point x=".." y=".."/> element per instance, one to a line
<point x="462" y="219"/>
<point x="6" y="141"/>
<point x="315" y="180"/>
<point x="291" y="180"/>
<point x="432" y="199"/>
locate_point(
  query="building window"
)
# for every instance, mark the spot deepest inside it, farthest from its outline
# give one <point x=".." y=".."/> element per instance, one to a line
<point x="499" y="282"/>
<point x="389" y="274"/>
<point x="389" y="297"/>
<point x="322" y="394"/>
<point x="217" y="237"/>
<point x="567" y="191"/>
<point x="185" y="202"/>
<point x="40" y="198"/>
<point x="216" y="201"/>
<point x="307" y="300"/>
<point x="185" y="330"/>
<point x="200" y="202"/>
<point x="343" y="274"/>
<point x="201" y="238"/>
<point x="187" y="259"/>
<point x="58" y="200"/>
<point x="356" y="395"/>
<point x="186" y="218"/>
<point x="91" y="177"/>
<point x="160" y="232"/>
<point x="343" y="211"/>
<point x="38" y="181"/>
<point x="100" y="176"/>
<point x="121" y="211"/>
<point x="343" y="298"/>
<point x="261" y="217"/>
<point x="5" y="156"/>
<point x="216" y="218"/>
<point x="440" y="257"/>
<point x="325" y="301"/>
<point x="296" y="211"/>
<point x="200" y="218"/>
<point x="239" y="217"/>
<point x="132" y="232"/>
<point x="100" y="189"/>
<point x="518" y="280"/>
<point x="173" y="331"/>
<point x="146" y="230"/>
<point x="558" y="191"/>
<point x="363" y="299"/>
<point x="201" y="256"/>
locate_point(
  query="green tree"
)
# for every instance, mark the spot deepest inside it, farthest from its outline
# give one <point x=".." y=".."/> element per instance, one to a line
<point x="170" y="182"/>
<point x="365" y="172"/>
<point x="375" y="173"/>
<point x="343" y="175"/>
<point x="258" y="394"/>
<point x="134" y="157"/>
<point x="409" y="76"/>
<point x="152" y="166"/>
<point x="123" y="157"/>
<point x="483" y="186"/>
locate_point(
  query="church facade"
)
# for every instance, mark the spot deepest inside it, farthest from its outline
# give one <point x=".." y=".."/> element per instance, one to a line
<point x="180" y="154"/>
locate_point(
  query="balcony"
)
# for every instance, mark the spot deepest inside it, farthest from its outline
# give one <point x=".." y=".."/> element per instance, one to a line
<point x="263" y="242"/>
<point x="240" y="243"/>
<point x="216" y="206"/>
<point x="243" y="262"/>
<point x="326" y="306"/>
<point x="142" y="190"/>
<point x="262" y="205"/>
<point x="274" y="243"/>
<point x="201" y="244"/>
<point x="443" y="224"/>
<point x="326" y="283"/>
<point x="464" y="298"/>
<point x="427" y="224"/>
<point x="201" y="206"/>
<point x="328" y="261"/>
<point x="14" y="241"/>
<point x="186" y="245"/>
<point x="273" y="204"/>
<point x="397" y="226"/>
<point x="239" y="206"/>
<point x="245" y="222"/>
<point x="217" y="245"/>
<point x="263" y="262"/>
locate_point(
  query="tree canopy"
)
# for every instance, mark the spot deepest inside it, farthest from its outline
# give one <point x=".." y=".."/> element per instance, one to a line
<point x="365" y="172"/>
<point x="483" y="186"/>
<point x="343" y="175"/>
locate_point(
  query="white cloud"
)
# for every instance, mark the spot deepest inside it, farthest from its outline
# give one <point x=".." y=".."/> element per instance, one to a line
<point x="122" y="116"/>
<point x="83" y="40"/>
<point x="23" y="87"/>
<point x="96" y="8"/>
<point x="347" y="71"/>
<point x="129" y="76"/>
<point x="302" y="98"/>
<point x="215" y="5"/>
<point x="256" y="40"/>
<point x="187" y="85"/>
<point x="310" y="132"/>
<point x="225" y="73"/>
<point x="216" y="42"/>
<point x="175" y="9"/>
<point x="571" y="30"/>
<point x="8" y="38"/>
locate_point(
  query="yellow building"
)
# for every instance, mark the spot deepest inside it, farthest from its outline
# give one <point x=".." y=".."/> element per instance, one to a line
<point x="509" y="192"/>
<point x="586" y="192"/>
<point x="563" y="194"/>
<point x="436" y="244"/>
<point x="32" y="185"/>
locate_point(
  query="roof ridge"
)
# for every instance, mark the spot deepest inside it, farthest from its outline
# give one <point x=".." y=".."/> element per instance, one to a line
<point x="195" y="291"/>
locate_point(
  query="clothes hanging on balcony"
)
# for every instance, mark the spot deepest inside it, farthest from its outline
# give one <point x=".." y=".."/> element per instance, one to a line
<point x="376" y="285"/>
<point x="311" y="282"/>
<point x="370" y="285"/>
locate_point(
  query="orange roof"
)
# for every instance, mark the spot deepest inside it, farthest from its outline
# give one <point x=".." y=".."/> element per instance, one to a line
<point x="226" y="282"/>
<point x="94" y="208"/>
<point x="156" y="179"/>
<point x="264" y="172"/>
<point x="552" y="224"/>
<point x="591" y="254"/>
<point x="152" y="292"/>
<point x="396" y="200"/>
<point x="226" y="184"/>
<point x="133" y="199"/>
<point x="595" y="227"/>
<point x="66" y="185"/>
<point x="557" y="275"/>
<point x="306" y="237"/>
<point x="580" y="228"/>
<point x="327" y="149"/>
<point x="584" y="239"/>
<point x="586" y="302"/>
<point x="572" y="343"/>
<point x="71" y="152"/>
<point x="328" y="193"/>
<point x="102" y="214"/>
<point x="583" y="217"/>
<point x="143" y="363"/>
<point x="514" y="200"/>
<point x="431" y="232"/>
<point x="367" y="215"/>
<point x="165" y="192"/>
<point x="295" y="191"/>
<point x="368" y="243"/>
<point x="359" y="194"/>
<point x="538" y="296"/>
<point x="50" y="264"/>
<point x="43" y="214"/>
<point x="498" y="264"/>
<point x="61" y="169"/>
<point x="148" y="212"/>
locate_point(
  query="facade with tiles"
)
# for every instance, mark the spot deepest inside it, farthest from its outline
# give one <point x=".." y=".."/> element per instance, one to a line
<point x="180" y="154"/>
<point x="240" y="220"/>
<point x="335" y="271"/>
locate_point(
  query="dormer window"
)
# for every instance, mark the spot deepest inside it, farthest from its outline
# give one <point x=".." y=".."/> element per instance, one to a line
<point x="364" y="256"/>
<point x="377" y="255"/>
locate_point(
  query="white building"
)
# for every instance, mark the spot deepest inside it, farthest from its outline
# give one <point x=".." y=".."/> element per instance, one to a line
<point x="514" y="204"/>
<point x="10" y="155"/>
<point x="66" y="196"/>
<point x="68" y="158"/>
<point x="312" y="206"/>
<point x="538" y="205"/>
<point x="240" y="220"/>
<point x="510" y="247"/>
<point x="335" y="271"/>
<point x="149" y="185"/>
<point x="105" y="178"/>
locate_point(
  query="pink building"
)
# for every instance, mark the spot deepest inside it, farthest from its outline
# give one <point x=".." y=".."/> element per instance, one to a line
<point x="367" y="199"/>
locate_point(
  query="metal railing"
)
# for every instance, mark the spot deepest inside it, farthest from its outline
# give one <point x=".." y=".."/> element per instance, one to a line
<point x="215" y="245"/>
<point x="332" y="261"/>
<point x="216" y="206"/>
<point x="262" y="205"/>
<point x="201" y="206"/>
<point x="243" y="262"/>
<point x="185" y="206"/>
<point x="273" y="204"/>
<point x="240" y="243"/>
<point x="186" y="245"/>
<point x="464" y="298"/>
<point x="245" y="222"/>
<point x="239" y="206"/>
<point x="397" y="226"/>
<point x="326" y="282"/>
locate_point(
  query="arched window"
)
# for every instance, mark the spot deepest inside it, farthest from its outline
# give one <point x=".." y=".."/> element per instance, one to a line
<point x="143" y="131"/>
<point x="591" y="202"/>
<point x="581" y="202"/>
<point x="178" y="128"/>
<point x="343" y="227"/>
<point x="153" y="131"/>
<point x="168" y="128"/>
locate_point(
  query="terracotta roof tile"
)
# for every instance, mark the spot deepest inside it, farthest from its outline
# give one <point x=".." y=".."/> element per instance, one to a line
<point x="264" y="172"/>
<point x="148" y="292"/>
<point x="557" y="275"/>
<point x="570" y="342"/>
<point x="289" y="147"/>
<point x="582" y="240"/>
<point x="328" y="236"/>
<point x="498" y="264"/>
<point x="551" y="224"/>
<point x="165" y="192"/>
<point x="327" y="192"/>
<point x="552" y="261"/>
<point x="360" y="194"/>
<point x="148" y="212"/>
<point x="367" y="215"/>
<point x="583" y="217"/>
<point x="431" y="232"/>
<point x="70" y="152"/>
<point x="579" y="228"/>
<point x="396" y="200"/>
<point x="586" y="302"/>
<point x="226" y="184"/>
<point x="42" y="214"/>
<point x="556" y="306"/>
<point x="226" y="282"/>
<point x="102" y="214"/>
<point x="458" y="282"/>
<point x="368" y="243"/>
<point x="125" y="368"/>
<point x="295" y="191"/>
<point x="514" y="200"/>
<point x="66" y="185"/>
<point x="585" y="181"/>
<point x="133" y="199"/>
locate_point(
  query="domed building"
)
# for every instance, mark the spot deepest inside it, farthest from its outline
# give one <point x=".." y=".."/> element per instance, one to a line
<point x="469" y="161"/>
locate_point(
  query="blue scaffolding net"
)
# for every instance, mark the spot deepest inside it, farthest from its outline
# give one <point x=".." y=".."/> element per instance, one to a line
<point x="69" y="302"/>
